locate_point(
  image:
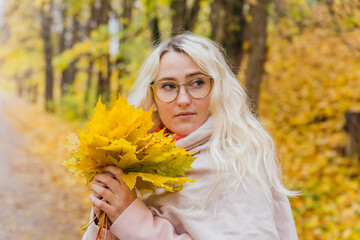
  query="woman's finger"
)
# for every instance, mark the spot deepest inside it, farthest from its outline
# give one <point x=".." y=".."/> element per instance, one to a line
<point x="97" y="195"/>
<point x="102" y="193"/>
<point x="96" y="209"/>
<point x="100" y="184"/>
<point x="116" y="172"/>
<point x="100" y="205"/>
<point x="108" y="181"/>
<point x="109" y="174"/>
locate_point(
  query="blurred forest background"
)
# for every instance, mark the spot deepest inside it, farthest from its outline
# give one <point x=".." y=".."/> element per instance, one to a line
<point x="298" y="59"/>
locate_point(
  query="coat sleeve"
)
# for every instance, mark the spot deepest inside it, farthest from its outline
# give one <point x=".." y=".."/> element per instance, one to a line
<point x="137" y="222"/>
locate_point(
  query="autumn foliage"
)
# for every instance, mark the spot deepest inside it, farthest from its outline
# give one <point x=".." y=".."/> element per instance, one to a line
<point x="120" y="137"/>
<point x="311" y="82"/>
<point x="311" y="78"/>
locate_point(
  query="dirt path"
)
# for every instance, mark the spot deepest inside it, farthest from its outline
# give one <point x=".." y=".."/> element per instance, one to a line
<point x="34" y="204"/>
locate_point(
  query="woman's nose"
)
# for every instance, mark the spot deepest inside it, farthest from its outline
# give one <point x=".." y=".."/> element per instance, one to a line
<point x="183" y="99"/>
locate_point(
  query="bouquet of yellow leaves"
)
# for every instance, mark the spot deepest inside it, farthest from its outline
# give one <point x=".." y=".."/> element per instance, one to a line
<point x="119" y="137"/>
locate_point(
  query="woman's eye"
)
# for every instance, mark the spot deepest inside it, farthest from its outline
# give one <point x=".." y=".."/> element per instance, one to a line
<point x="168" y="86"/>
<point x="197" y="82"/>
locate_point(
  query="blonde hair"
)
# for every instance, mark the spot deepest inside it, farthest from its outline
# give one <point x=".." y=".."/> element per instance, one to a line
<point x="236" y="130"/>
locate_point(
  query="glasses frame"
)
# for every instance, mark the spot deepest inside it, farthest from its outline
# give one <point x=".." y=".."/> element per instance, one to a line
<point x="152" y="85"/>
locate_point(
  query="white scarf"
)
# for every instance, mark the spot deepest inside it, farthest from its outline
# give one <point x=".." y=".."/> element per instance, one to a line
<point x="238" y="215"/>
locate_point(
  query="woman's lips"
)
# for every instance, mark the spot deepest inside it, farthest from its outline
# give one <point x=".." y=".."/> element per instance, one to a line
<point x="184" y="114"/>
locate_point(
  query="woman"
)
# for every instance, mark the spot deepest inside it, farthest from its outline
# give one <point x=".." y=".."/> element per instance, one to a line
<point x="239" y="194"/>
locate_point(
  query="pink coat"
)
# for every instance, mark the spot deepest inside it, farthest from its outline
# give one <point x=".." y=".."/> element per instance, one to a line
<point x="194" y="213"/>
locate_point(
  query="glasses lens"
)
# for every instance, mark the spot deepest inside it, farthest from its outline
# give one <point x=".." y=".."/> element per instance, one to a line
<point x="166" y="91"/>
<point x="199" y="87"/>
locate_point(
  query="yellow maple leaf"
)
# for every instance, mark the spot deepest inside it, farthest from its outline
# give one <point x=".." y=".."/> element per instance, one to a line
<point x="73" y="142"/>
<point x="149" y="182"/>
<point x="119" y="137"/>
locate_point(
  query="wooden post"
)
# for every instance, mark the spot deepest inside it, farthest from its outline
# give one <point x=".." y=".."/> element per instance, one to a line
<point x="352" y="128"/>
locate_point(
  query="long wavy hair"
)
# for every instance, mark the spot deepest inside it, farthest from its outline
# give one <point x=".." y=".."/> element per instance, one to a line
<point x="237" y="132"/>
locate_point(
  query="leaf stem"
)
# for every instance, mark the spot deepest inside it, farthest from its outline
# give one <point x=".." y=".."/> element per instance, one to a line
<point x="96" y="216"/>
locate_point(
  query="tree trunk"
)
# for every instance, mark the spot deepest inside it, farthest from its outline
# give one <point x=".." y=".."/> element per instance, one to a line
<point x="102" y="16"/>
<point x="104" y="78"/>
<point x="127" y="13"/>
<point x="89" y="27"/>
<point x="89" y="80"/>
<point x="178" y="16"/>
<point x="125" y="21"/>
<point x="33" y="92"/>
<point x="48" y="52"/>
<point x="68" y="74"/>
<point x="225" y="14"/>
<point x="184" y="18"/>
<point x="192" y="16"/>
<point x="352" y="128"/>
<point x="62" y="44"/>
<point x="258" y="50"/>
<point x="75" y="38"/>
<point x="155" y="31"/>
<point x="30" y="88"/>
<point x="19" y="86"/>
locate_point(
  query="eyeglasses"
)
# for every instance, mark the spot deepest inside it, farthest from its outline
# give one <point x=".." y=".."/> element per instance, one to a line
<point x="168" y="90"/>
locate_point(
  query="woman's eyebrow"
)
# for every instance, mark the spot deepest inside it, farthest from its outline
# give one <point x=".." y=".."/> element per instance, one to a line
<point x="194" y="74"/>
<point x="187" y="76"/>
<point x="166" y="78"/>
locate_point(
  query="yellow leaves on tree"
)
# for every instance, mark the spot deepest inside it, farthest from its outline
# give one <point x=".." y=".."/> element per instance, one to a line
<point x="119" y="137"/>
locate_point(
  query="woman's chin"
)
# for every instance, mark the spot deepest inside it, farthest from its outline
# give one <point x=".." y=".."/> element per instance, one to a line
<point x="184" y="130"/>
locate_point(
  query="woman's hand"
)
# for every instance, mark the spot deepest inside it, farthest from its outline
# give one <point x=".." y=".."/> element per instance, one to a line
<point x="111" y="195"/>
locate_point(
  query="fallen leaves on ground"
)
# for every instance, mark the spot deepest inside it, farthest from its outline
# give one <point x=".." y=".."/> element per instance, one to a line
<point x="309" y="87"/>
<point x="51" y="195"/>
